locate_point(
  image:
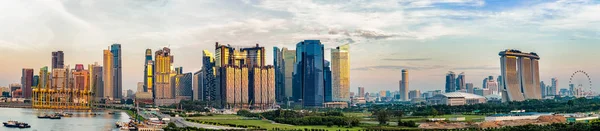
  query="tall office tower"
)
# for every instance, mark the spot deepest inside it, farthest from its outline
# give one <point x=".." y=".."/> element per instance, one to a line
<point x="289" y="60"/>
<point x="484" y="83"/>
<point x="520" y="72"/>
<point x="543" y="89"/>
<point x="107" y="75"/>
<point x="414" y="94"/>
<point x="492" y="85"/>
<point x="361" y="91"/>
<point x="243" y="78"/>
<point x="404" y="86"/>
<point x="330" y="92"/>
<point x="58" y="58"/>
<point x="197" y="86"/>
<point x="469" y="87"/>
<point x="340" y="69"/>
<point x="81" y="78"/>
<point x="554" y="87"/>
<point x="59" y="79"/>
<point x="117" y="87"/>
<point x="35" y="82"/>
<point x="212" y="92"/>
<point x="450" y="82"/>
<point x="460" y="82"/>
<point x="97" y="81"/>
<point x="26" y="82"/>
<point x="571" y="90"/>
<point x="148" y="71"/>
<point x="500" y="83"/>
<point x="278" y="63"/>
<point x="162" y="74"/>
<point x="184" y="86"/>
<point x="44" y="78"/>
<point x="308" y="75"/>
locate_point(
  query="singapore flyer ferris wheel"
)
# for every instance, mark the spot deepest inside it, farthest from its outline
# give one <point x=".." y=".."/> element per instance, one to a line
<point x="580" y="84"/>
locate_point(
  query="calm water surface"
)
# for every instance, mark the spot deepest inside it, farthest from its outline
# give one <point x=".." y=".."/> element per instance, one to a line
<point x="80" y="121"/>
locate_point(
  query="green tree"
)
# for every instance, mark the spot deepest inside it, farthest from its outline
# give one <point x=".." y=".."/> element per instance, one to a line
<point x="434" y="112"/>
<point x="382" y="116"/>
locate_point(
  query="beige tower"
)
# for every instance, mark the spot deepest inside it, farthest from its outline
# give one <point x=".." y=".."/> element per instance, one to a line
<point x="340" y="73"/>
<point x="107" y="77"/>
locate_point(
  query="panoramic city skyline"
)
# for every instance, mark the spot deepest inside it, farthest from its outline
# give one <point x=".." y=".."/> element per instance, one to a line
<point x="428" y="38"/>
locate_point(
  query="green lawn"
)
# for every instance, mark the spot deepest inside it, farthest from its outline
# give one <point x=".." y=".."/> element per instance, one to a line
<point x="268" y="125"/>
<point x="357" y="114"/>
<point x="131" y="114"/>
<point x="217" y="117"/>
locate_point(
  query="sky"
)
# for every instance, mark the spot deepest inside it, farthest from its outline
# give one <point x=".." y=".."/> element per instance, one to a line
<point x="427" y="37"/>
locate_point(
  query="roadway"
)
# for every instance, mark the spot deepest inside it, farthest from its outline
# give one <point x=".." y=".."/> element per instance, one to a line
<point x="181" y="122"/>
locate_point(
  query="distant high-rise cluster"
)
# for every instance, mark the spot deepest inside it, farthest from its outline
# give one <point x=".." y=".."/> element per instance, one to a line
<point x="520" y="72"/>
<point x="450" y="82"/>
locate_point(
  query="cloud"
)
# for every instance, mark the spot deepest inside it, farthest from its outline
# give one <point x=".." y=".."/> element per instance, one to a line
<point x="477" y="68"/>
<point x="407" y="59"/>
<point x="394" y="67"/>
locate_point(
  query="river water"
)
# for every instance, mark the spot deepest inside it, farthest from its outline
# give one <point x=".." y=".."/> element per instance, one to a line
<point x="80" y="121"/>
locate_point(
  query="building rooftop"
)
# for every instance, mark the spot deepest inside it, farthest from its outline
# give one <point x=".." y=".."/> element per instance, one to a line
<point x="462" y="94"/>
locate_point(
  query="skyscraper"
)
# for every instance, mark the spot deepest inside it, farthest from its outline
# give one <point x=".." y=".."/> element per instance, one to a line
<point x="212" y="92"/>
<point x="340" y="72"/>
<point x="554" y="86"/>
<point x="469" y="87"/>
<point x="197" y="86"/>
<point x="278" y="63"/>
<point x="243" y="77"/>
<point x="460" y="82"/>
<point x="107" y="75"/>
<point x="520" y="72"/>
<point x="543" y="89"/>
<point x="162" y="74"/>
<point x="330" y="92"/>
<point x="500" y="83"/>
<point x="117" y="75"/>
<point x="308" y="78"/>
<point x="44" y="78"/>
<point x="404" y="86"/>
<point x="492" y="85"/>
<point x="484" y="83"/>
<point x="414" y="94"/>
<point x="97" y="81"/>
<point x="27" y="82"/>
<point x="289" y="60"/>
<point x="148" y="71"/>
<point x="361" y="91"/>
<point x="58" y="58"/>
<point x="450" y="82"/>
<point x="184" y="88"/>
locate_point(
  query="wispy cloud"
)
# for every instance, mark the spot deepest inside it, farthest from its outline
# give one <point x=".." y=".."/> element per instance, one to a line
<point x="406" y="59"/>
<point x="395" y="67"/>
<point x="477" y="68"/>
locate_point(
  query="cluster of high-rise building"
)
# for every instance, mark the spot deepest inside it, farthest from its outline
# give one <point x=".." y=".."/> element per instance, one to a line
<point x="61" y="87"/>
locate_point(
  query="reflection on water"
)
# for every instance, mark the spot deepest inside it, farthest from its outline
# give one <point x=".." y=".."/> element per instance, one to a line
<point x="80" y="121"/>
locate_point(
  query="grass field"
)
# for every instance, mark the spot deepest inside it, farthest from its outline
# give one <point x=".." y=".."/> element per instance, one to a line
<point x="357" y="114"/>
<point x="131" y="114"/>
<point x="217" y="117"/>
<point x="268" y="125"/>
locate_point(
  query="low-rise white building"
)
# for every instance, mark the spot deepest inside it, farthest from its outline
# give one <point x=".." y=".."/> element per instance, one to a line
<point x="456" y="99"/>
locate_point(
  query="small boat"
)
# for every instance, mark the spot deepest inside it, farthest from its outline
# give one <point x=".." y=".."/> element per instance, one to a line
<point x="43" y="116"/>
<point x="54" y="117"/>
<point x="16" y="124"/>
<point x="110" y="113"/>
<point x="67" y="114"/>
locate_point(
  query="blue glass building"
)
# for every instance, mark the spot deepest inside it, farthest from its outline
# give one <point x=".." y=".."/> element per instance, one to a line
<point x="115" y="49"/>
<point x="328" y="86"/>
<point x="309" y="81"/>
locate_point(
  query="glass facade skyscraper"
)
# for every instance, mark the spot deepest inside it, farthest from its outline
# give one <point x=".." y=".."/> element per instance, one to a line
<point x="115" y="49"/>
<point x="148" y="71"/>
<point x="309" y="82"/>
<point x="450" y="82"/>
<point x="330" y="92"/>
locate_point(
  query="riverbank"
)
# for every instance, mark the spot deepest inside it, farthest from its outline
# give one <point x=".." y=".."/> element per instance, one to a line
<point x="15" y="105"/>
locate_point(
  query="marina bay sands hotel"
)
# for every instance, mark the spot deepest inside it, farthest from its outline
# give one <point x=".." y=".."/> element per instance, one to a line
<point x="521" y="75"/>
